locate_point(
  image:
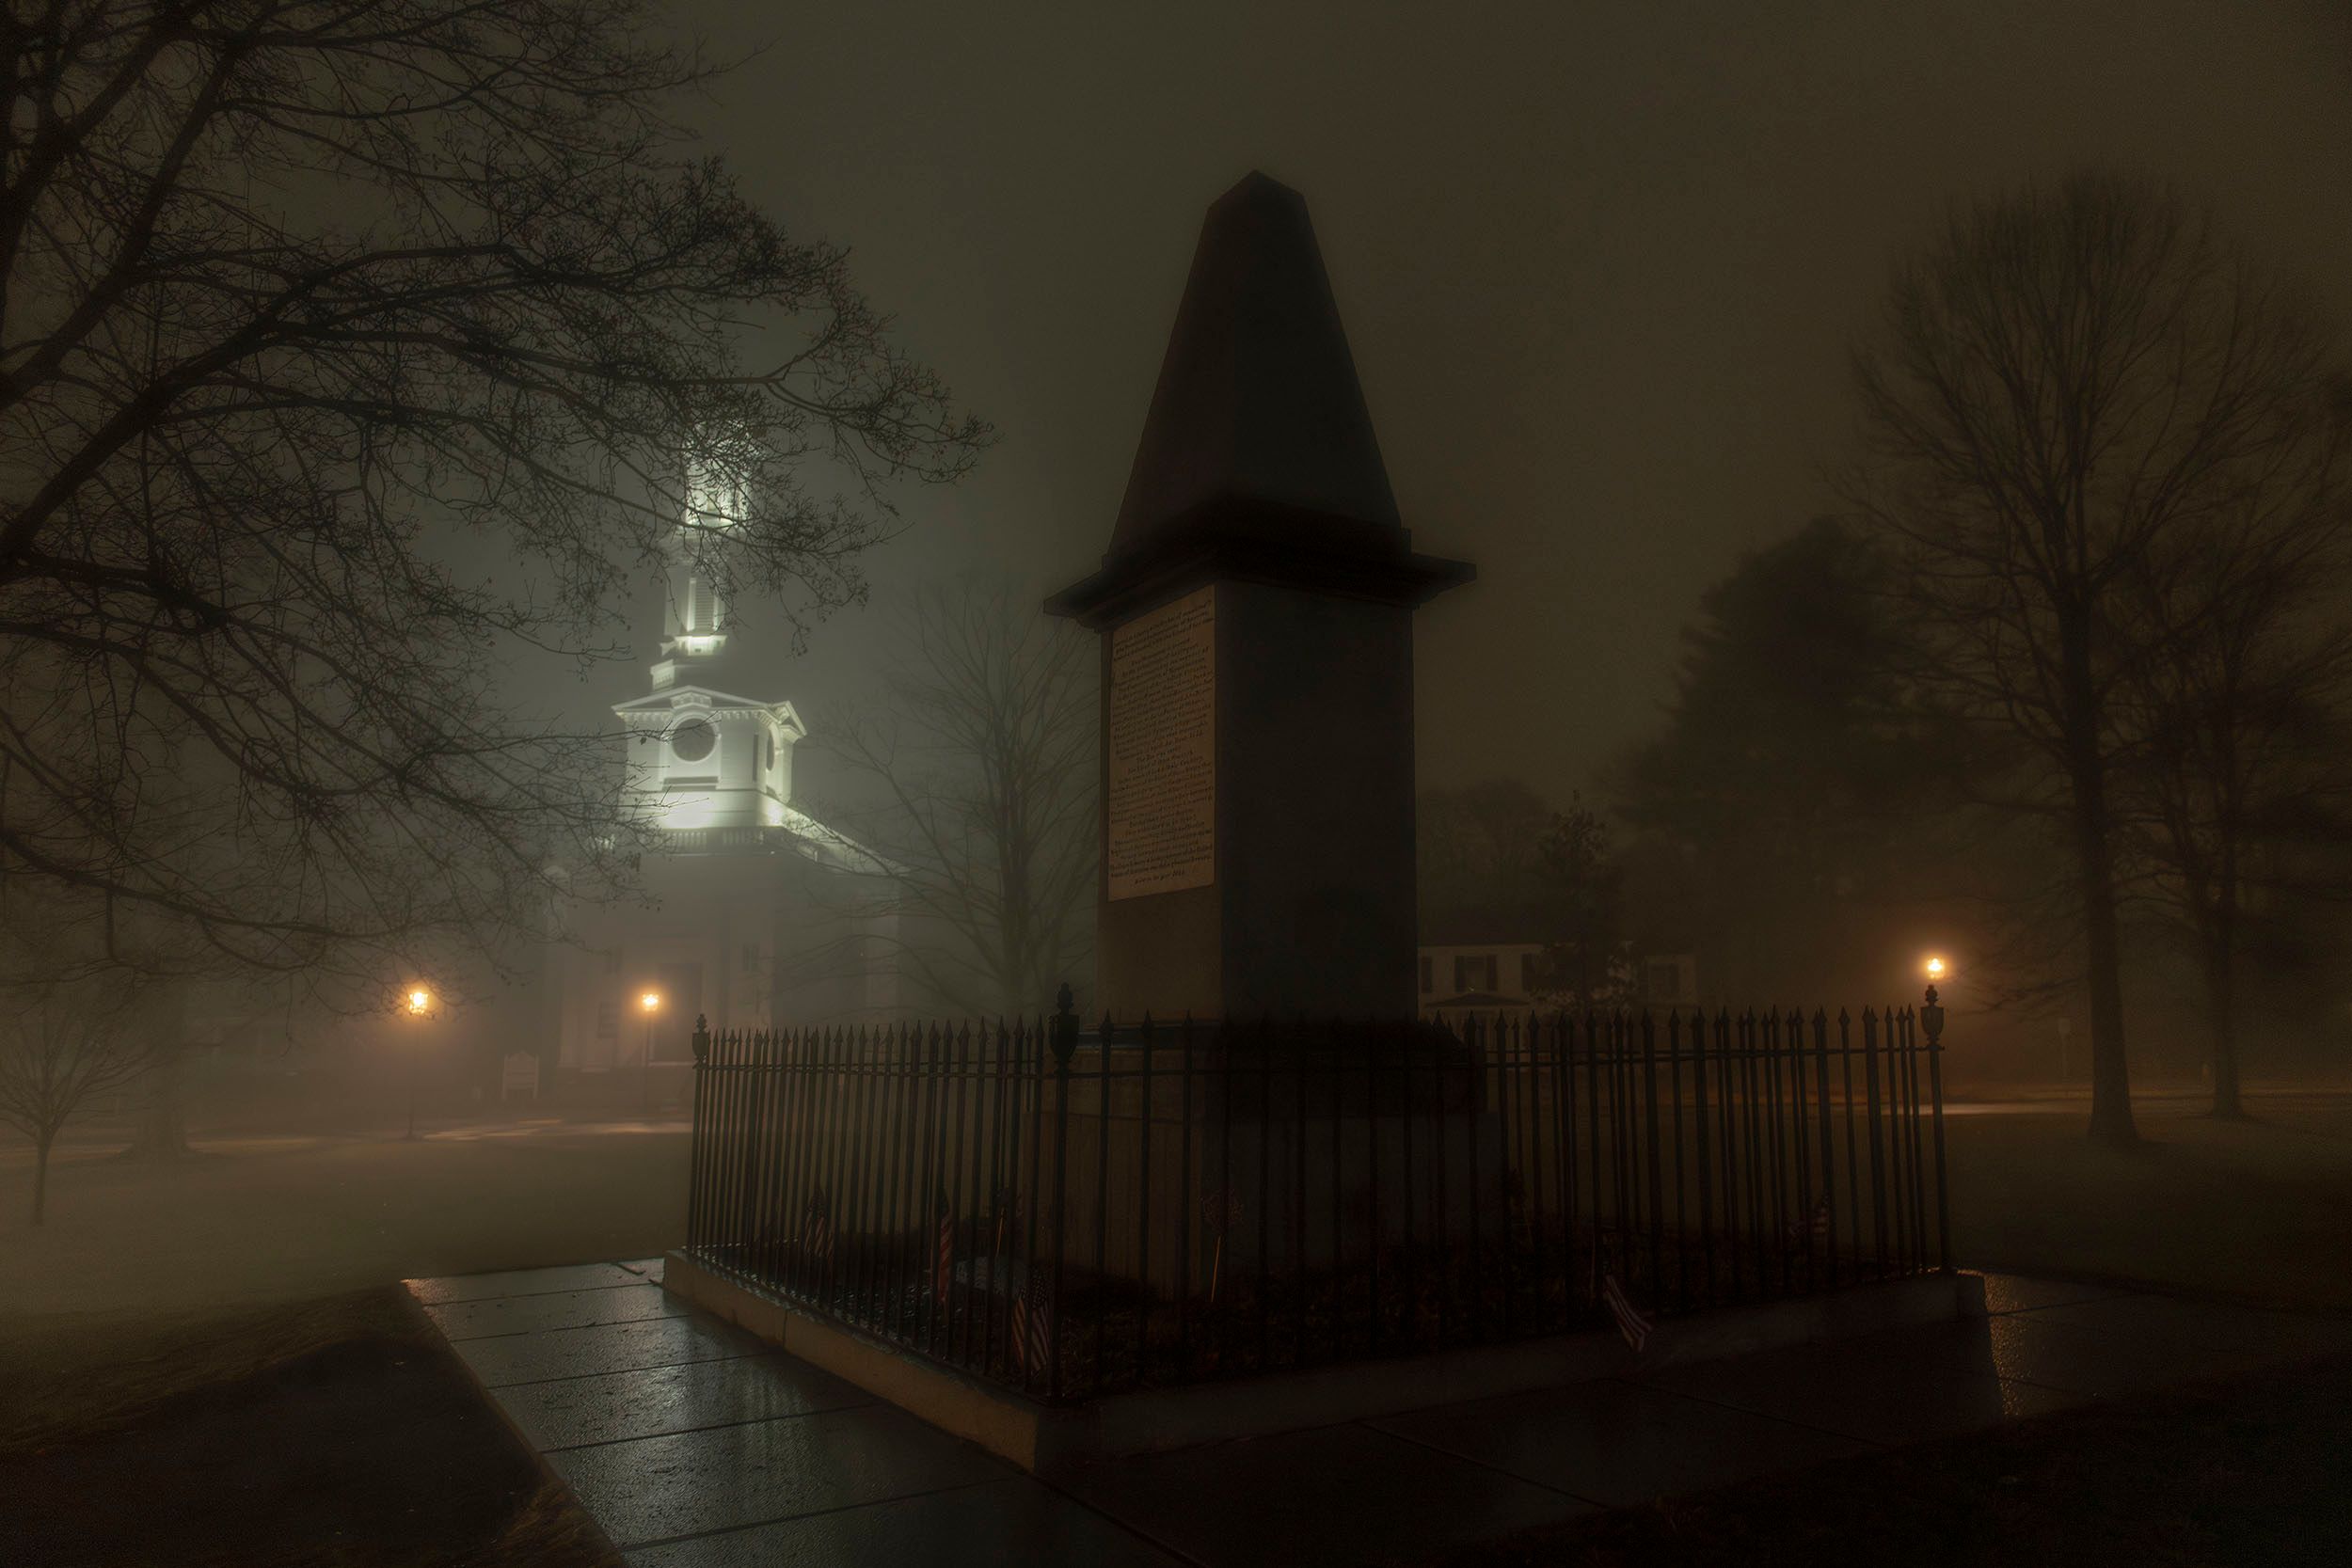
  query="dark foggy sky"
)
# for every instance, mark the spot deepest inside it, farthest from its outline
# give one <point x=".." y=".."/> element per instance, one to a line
<point x="1599" y="262"/>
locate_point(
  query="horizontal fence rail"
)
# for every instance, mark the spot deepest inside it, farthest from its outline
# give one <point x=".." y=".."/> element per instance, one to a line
<point x="1082" y="1212"/>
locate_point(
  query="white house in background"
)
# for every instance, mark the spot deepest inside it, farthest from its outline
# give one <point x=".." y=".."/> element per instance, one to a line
<point x="1484" y="975"/>
<point x="760" y="916"/>
<point x="1464" y="973"/>
<point x="1669" y="980"/>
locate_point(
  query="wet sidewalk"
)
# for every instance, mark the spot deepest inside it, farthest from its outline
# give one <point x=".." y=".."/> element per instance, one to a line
<point x="695" y="1445"/>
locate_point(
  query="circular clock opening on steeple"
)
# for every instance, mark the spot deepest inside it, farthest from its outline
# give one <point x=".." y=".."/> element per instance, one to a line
<point x="691" y="741"/>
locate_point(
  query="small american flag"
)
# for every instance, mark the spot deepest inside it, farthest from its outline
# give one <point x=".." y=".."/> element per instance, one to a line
<point x="817" y="1226"/>
<point x="1031" y="1311"/>
<point x="1635" y="1327"/>
<point x="944" y="1263"/>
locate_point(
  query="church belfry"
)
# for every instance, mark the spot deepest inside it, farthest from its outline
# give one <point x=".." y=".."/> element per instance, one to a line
<point x="699" y="754"/>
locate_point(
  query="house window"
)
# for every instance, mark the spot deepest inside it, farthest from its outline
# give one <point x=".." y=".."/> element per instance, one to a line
<point x="608" y="1021"/>
<point x="751" y="958"/>
<point x="1428" y="977"/>
<point x="1528" y="974"/>
<point x="771" y="754"/>
<point x="1475" y="971"/>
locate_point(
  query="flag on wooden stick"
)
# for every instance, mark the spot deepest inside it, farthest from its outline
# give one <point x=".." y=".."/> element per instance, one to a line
<point x="1635" y="1327"/>
<point x="817" y="1226"/>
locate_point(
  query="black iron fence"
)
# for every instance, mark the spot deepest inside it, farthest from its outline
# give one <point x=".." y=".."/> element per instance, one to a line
<point x="1078" y="1212"/>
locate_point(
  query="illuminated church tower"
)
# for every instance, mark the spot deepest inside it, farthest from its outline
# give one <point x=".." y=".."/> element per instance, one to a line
<point x="698" y="755"/>
<point x="756" y="915"/>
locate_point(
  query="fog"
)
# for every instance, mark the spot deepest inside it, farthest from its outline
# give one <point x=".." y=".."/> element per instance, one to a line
<point x="1601" y="267"/>
<point x="1711" y="770"/>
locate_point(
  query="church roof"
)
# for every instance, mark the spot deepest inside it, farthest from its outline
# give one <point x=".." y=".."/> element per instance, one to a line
<point x="1257" y="395"/>
<point x="839" y="848"/>
<point x="798" y="833"/>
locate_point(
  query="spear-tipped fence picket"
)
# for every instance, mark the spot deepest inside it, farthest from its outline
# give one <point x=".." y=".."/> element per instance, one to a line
<point x="1076" y="1213"/>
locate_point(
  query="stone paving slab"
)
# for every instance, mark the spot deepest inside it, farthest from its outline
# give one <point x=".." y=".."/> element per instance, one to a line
<point x="618" y="1304"/>
<point x="604" y="1348"/>
<point x="1009" y="1523"/>
<point x="515" y="1282"/>
<point x="1618" y="1444"/>
<point x="1339" y="1494"/>
<point x="654" y="1489"/>
<point x="652" y="1401"/>
<point x="696" y="1446"/>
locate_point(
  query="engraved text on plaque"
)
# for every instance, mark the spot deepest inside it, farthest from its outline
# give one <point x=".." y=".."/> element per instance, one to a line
<point x="1163" y="749"/>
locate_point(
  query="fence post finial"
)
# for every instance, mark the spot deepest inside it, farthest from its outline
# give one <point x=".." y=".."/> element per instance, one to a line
<point x="1932" y="1017"/>
<point x="702" y="1037"/>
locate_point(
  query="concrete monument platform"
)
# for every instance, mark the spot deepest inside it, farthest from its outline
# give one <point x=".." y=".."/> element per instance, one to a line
<point x="697" y="1445"/>
<point x="1048" y="1439"/>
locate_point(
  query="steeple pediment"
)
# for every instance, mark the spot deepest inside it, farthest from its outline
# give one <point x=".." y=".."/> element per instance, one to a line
<point x="680" y="697"/>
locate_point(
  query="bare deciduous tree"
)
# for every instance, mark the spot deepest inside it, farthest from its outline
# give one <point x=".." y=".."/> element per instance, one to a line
<point x="2239" y="703"/>
<point x="980" y="768"/>
<point x="1476" y="847"/>
<point x="310" y="314"/>
<point x="64" y="1041"/>
<point x="2068" y="378"/>
<point x="1577" y="866"/>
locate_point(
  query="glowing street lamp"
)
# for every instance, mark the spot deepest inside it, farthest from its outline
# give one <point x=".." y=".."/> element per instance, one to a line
<point x="648" y="1003"/>
<point x="1936" y="969"/>
<point x="419" y="1002"/>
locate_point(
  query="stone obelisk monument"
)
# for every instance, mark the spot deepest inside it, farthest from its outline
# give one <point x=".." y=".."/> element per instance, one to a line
<point x="1256" y="614"/>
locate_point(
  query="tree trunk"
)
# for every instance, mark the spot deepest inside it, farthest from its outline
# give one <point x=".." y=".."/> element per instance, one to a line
<point x="2221" y="979"/>
<point x="2221" y="1013"/>
<point x="40" y="1177"/>
<point x="163" y="1130"/>
<point x="2111" y="1072"/>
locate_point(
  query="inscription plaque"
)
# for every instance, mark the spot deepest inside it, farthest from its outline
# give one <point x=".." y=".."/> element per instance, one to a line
<point x="1163" y="749"/>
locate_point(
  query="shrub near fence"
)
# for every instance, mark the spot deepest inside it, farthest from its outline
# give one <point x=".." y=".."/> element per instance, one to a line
<point x="1076" y="1213"/>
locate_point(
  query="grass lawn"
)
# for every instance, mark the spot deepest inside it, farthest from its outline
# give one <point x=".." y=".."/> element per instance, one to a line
<point x="293" y="1219"/>
<point x="2259" y="1210"/>
<point x="336" y="1431"/>
<point x="212" y="1362"/>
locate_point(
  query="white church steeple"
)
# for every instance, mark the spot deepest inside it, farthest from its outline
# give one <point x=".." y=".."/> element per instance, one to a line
<point x="700" y="756"/>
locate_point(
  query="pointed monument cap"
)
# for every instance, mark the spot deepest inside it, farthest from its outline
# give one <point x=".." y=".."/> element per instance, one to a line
<point x="1258" y="396"/>
<point x="1258" y="457"/>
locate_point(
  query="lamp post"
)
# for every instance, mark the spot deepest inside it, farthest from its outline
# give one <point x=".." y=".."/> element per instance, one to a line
<point x="1931" y="1024"/>
<point x="420" y="1005"/>
<point x="648" y="1003"/>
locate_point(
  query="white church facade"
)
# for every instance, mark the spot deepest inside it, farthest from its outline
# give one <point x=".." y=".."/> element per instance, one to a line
<point x="755" y="915"/>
